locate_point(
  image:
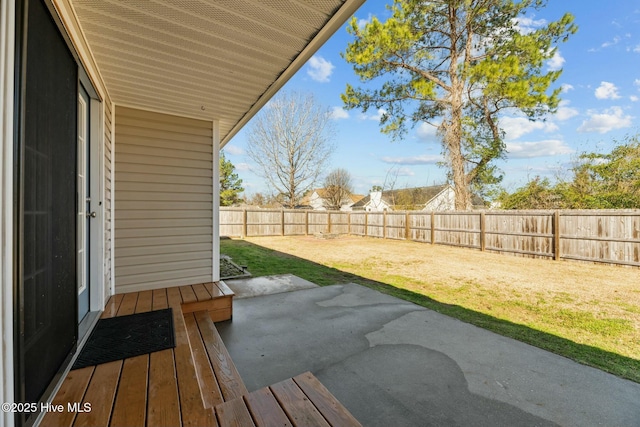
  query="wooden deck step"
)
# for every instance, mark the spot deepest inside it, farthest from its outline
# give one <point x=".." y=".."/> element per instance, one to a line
<point x="216" y="298"/>
<point x="192" y="408"/>
<point x="226" y="375"/>
<point x="299" y="401"/>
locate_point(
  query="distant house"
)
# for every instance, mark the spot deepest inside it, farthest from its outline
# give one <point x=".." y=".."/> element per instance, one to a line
<point x="317" y="200"/>
<point x="433" y="198"/>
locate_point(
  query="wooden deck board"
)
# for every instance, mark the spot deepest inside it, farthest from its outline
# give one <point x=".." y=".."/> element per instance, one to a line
<point x="130" y="408"/>
<point x="100" y="395"/>
<point x="224" y="288"/>
<point x="332" y="410"/>
<point x="174" y="297"/>
<point x="265" y="410"/>
<point x="220" y="315"/>
<point x="207" y="305"/>
<point x="72" y="389"/>
<point x="128" y="305"/>
<point x="213" y="289"/>
<point x="298" y="408"/>
<point x="226" y="373"/>
<point x="188" y="295"/>
<point x="192" y="406"/>
<point x="112" y="306"/>
<point x="163" y="405"/>
<point x="159" y="299"/>
<point x="234" y="413"/>
<point x="145" y="302"/>
<point x="211" y="394"/>
<point x="201" y="292"/>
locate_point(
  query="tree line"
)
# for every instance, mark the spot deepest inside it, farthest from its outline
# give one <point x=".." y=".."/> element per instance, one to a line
<point x="596" y="181"/>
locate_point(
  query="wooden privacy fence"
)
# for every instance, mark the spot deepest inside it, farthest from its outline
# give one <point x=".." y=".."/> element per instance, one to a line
<point x="604" y="236"/>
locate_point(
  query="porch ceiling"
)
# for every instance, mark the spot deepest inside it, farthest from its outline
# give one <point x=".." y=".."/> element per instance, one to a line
<point x="209" y="59"/>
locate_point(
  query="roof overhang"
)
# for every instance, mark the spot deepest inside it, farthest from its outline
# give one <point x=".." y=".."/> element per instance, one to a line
<point x="208" y="59"/>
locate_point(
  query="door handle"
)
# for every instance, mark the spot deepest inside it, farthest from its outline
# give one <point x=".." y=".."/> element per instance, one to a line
<point x="91" y="214"/>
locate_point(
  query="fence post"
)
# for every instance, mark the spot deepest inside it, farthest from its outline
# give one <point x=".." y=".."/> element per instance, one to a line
<point x="282" y="221"/>
<point x="329" y="222"/>
<point x="556" y="235"/>
<point x="433" y="228"/>
<point x="244" y="223"/>
<point x="306" y="223"/>
<point x="349" y="223"/>
<point x="482" y="231"/>
<point x="384" y="224"/>
<point x="407" y="232"/>
<point x="366" y="223"/>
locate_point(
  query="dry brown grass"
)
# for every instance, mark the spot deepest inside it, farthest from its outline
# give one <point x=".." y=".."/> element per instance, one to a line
<point x="596" y="305"/>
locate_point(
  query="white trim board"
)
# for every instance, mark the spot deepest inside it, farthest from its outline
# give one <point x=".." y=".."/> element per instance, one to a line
<point x="215" y="254"/>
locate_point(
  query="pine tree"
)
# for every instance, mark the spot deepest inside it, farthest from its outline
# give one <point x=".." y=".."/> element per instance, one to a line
<point x="457" y="64"/>
<point x="230" y="183"/>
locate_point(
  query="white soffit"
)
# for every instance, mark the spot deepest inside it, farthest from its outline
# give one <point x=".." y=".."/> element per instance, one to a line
<point x="208" y="59"/>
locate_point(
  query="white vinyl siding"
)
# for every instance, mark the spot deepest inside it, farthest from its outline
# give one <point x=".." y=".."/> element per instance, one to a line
<point x="163" y="200"/>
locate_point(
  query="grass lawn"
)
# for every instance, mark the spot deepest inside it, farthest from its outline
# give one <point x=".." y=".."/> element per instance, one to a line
<point x="588" y="313"/>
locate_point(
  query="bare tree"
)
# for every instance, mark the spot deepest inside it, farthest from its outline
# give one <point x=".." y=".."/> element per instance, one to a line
<point x="290" y="140"/>
<point x="338" y="187"/>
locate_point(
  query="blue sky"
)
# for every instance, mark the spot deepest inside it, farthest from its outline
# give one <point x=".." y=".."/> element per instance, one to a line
<point x="601" y="104"/>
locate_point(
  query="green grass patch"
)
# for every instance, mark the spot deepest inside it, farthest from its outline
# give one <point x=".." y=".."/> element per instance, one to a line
<point x="536" y="321"/>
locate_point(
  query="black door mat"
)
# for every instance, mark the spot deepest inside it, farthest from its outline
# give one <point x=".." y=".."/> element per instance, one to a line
<point x="121" y="337"/>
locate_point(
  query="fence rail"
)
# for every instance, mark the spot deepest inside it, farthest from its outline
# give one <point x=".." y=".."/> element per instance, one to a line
<point x="603" y="236"/>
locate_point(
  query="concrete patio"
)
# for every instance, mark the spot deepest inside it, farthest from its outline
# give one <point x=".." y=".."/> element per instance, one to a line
<point x="393" y="363"/>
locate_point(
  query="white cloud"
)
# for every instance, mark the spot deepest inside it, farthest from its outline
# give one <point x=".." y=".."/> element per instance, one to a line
<point x="615" y="41"/>
<point x="526" y="25"/>
<point x="634" y="98"/>
<point x="566" y="87"/>
<point x="377" y="116"/>
<point x="607" y="90"/>
<point x="426" y="131"/>
<point x="405" y="171"/>
<point x="424" y="159"/>
<point x="545" y="148"/>
<point x="610" y="119"/>
<point x="515" y="127"/>
<point x="637" y="49"/>
<point x="636" y="83"/>
<point x="556" y="62"/>
<point x="381" y="112"/>
<point x="565" y="112"/>
<point x="233" y="149"/>
<point x="338" y="113"/>
<point x="243" y="167"/>
<point x="320" y="69"/>
<point x="363" y="22"/>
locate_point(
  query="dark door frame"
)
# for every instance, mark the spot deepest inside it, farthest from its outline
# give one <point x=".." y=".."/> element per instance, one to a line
<point x="20" y="115"/>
